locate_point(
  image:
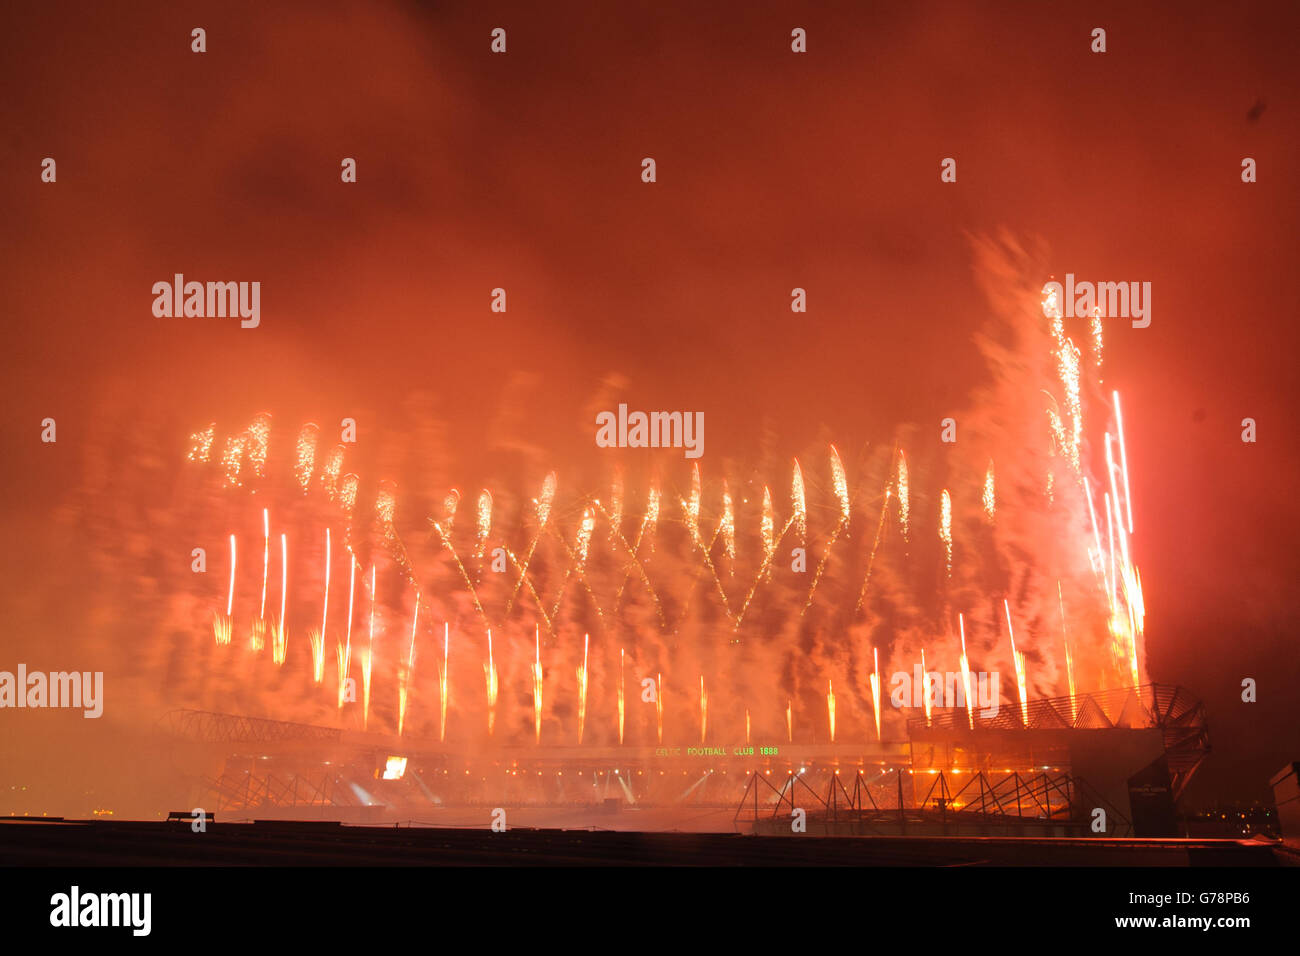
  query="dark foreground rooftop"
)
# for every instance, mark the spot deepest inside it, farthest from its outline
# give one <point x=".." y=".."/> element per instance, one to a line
<point x="32" y="842"/>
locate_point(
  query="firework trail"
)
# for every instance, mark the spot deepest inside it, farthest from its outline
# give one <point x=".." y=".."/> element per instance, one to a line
<point x="691" y="512"/>
<point x="841" y="484"/>
<point x="789" y="720"/>
<point x="537" y="684"/>
<point x="692" y="505"/>
<point x="875" y="689"/>
<point x="747" y="725"/>
<point x="331" y="470"/>
<point x="266" y="557"/>
<point x="768" y="531"/>
<point x="317" y="655"/>
<point x="945" y="529"/>
<point x="257" y="637"/>
<point x="232" y="460"/>
<point x="1123" y="457"/>
<point x="259" y="437"/>
<point x="484" y="523"/>
<point x="345" y="648"/>
<point x="634" y="562"/>
<point x="659" y="706"/>
<point x="1018" y="659"/>
<point x="490" y="678"/>
<point x="965" y="674"/>
<point x="798" y="504"/>
<point x="582" y="688"/>
<point x="306" y="463"/>
<point x="927" y="698"/>
<point x="648" y="525"/>
<point x="577" y="563"/>
<point x="222" y="627"/>
<point x="1069" y="660"/>
<point x="318" y="640"/>
<point x="830" y="707"/>
<point x="280" y="636"/>
<point x="704" y="711"/>
<point x="728" y="528"/>
<point x="444" y="534"/>
<point x="585" y="531"/>
<point x="875" y="545"/>
<point x="620" y="697"/>
<point x="544" y="503"/>
<point x="369" y="658"/>
<point x="201" y="444"/>
<point x="989" y="501"/>
<point x="442" y="683"/>
<point x="348" y="496"/>
<point x="1095" y="331"/>
<point x="449" y="505"/>
<point x="615" y="513"/>
<point x="903" y="485"/>
<point x="404" y="678"/>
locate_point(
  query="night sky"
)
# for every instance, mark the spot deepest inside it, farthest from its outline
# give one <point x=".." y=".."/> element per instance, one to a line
<point x="774" y="171"/>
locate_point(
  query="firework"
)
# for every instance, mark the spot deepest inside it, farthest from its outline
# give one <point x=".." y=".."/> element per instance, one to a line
<point x="768" y="531"/>
<point x="442" y="683"/>
<point x="903" y="485"/>
<point x="543" y="502"/>
<point x="789" y="720"/>
<point x="945" y="529"/>
<point x="306" y="463"/>
<point x="449" y="505"/>
<point x="259" y="437"/>
<point x="659" y="707"/>
<point x="345" y="648"/>
<point x="728" y="526"/>
<point x="875" y="689"/>
<point x="582" y="688"/>
<point x="830" y="707"/>
<point x="692" y="505"/>
<point x="1123" y="458"/>
<point x="332" y="470"/>
<point x="257" y="637"/>
<point x="704" y="711"/>
<point x="583" y="543"/>
<point x="798" y="504"/>
<point x="620" y="697"/>
<point x="369" y="659"/>
<point x="1018" y="659"/>
<point x="747" y="725"/>
<point x="201" y="444"/>
<point x="988" y="499"/>
<point x="222" y="626"/>
<point x="232" y="460"/>
<point x="266" y="557"/>
<point x="279" y="636"/>
<point x="616" y="504"/>
<point x="484" y="523"/>
<point x="1069" y="660"/>
<point x="406" y="675"/>
<point x="927" y="699"/>
<point x="965" y="674"/>
<point x="490" y="678"/>
<point x="537" y="685"/>
<point x="317" y="655"/>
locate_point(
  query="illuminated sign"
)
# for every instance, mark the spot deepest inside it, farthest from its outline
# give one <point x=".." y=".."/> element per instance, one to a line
<point x="744" y="750"/>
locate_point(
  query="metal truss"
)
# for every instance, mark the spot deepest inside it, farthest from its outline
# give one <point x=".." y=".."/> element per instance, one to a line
<point x="209" y="727"/>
